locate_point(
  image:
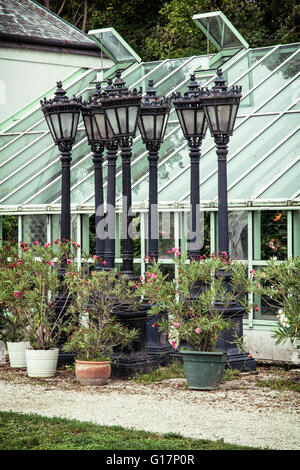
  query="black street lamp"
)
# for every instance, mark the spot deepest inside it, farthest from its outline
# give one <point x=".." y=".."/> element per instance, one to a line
<point x="62" y="115"/>
<point x="100" y="135"/>
<point x="152" y="122"/>
<point x="121" y="107"/>
<point x="221" y="106"/>
<point x="194" y="125"/>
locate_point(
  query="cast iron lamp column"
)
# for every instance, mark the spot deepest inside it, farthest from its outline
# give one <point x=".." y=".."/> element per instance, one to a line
<point x="111" y="156"/>
<point x="152" y="122"/>
<point x="62" y="115"/>
<point x="121" y="107"/>
<point x="99" y="136"/>
<point x="221" y="106"/>
<point x="194" y="125"/>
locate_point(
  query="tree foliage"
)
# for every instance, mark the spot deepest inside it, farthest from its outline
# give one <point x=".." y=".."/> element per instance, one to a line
<point x="164" y="28"/>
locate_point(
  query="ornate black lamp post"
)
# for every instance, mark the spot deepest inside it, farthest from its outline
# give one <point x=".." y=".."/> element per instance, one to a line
<point x="121" y="107"/>
<point x="62" y="115"/>
<point x="100" y="135"/>
<point x="194" y="125"/>
<point x="221" y="106"/>
<point x="152" y="121"/>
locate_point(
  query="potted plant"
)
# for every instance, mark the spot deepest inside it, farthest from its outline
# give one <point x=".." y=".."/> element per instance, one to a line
<point x="31" y="289"/>
<point x="279" y="286"/>
<point x="195" y="323"/>
<point x="95" y="334"/>
<point x="11" y="330"/>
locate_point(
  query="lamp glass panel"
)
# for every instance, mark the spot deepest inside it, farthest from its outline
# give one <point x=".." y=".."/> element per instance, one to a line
<point x="56" y="126"/>
<point x="201" y="122"/>
<point x="66" y="124"/>
<point x="100" y="126"/>
<point x="148" y="123"/>
<point x="122" y="114"/>
<point x="132" y="118"/>
<point x="233" y="116"/>
<point x="189" y="119"/>
<point x="223" y="116"/>
<point x="49" y="122"/>
<point x="141" y="128"/>
<point x="75" y="124"/>
<point x="88" y="126"/>
<point x="160" y="127"/>
<point x="112" y="119"/>
<point x="166" y="116"/>
<point x="181" y="121"/>
<point x="212" y="121"/>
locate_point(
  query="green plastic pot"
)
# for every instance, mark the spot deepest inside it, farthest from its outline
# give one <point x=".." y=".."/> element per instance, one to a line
<point x="203" y="370"/>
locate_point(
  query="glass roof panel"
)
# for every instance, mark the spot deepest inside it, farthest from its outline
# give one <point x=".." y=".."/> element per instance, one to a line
<point x="219" y="30"/>
<point x="113" y="45"/>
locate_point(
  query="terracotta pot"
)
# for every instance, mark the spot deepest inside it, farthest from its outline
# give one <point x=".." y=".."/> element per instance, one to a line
<point x="92" y="372"/>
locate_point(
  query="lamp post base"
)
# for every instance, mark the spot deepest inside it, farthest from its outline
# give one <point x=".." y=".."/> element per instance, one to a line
<point x="237" y="358"/>
<point x="158" y="345"/>
<point x="136" y="359"/>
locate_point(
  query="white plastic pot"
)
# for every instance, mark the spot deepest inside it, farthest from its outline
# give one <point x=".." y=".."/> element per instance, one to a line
<point x="16" y="353"/>
<point x="41" y="363"/>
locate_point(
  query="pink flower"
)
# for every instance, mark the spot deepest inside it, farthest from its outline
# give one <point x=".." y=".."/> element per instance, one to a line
<point x="174" y="249"/>
<point x="68" y="261"/>
<point x="47" y="245"/>
<point x="19" y="263"/>
<point x="154" y="275"/>
<point x="141" y="278"/>
<point x="177" y="253"/>
<point x="56" y="241"/>
<point x="197" y="330"/>
<point x="35" y="243"/>
<point x="104" y="263"/>
<point x="175" y="324"/>
<point x="78" y="244"/>
<point x="16" y="294"/>
<point x="174" y="344"/>
<point x="51" y="263"/>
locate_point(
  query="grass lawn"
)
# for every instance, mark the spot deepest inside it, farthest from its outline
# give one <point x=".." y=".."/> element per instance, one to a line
<point x="34" y="432"/>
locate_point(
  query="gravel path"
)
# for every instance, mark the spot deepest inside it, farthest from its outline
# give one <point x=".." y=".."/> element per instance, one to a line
<point x="240" y="412"/>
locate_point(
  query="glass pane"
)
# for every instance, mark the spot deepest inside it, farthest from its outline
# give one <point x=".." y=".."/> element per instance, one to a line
<point x="66" y="124"/>
<point x="132" y="118"/>
<point x="111" y="116"/>
<point x="270" y="84"/>
<point x="35" y="228"/>
<point x="238" y="234"/>
<point x="273" y="234"/>
<point x="166" y="234"/>
<point x="284" y="98"/>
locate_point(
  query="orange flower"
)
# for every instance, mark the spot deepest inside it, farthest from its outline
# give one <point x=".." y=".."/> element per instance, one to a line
<point x="278" y="217"/>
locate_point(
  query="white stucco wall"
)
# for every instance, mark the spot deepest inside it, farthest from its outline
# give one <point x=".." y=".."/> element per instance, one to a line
<point x="262" y="346"/>
<point x="26" y="74"/>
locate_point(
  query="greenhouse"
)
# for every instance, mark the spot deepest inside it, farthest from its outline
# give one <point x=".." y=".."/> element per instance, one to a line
<point x="263" y="161"/>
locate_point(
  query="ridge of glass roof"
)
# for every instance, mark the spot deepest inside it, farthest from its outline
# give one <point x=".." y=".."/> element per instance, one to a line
<point x="219" y="30"/>
<point x="113" y="45"/>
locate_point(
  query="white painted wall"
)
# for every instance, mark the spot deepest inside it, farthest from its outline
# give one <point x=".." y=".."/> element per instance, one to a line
<point x="262" y="346"/>
<point x="26" y="74"/>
